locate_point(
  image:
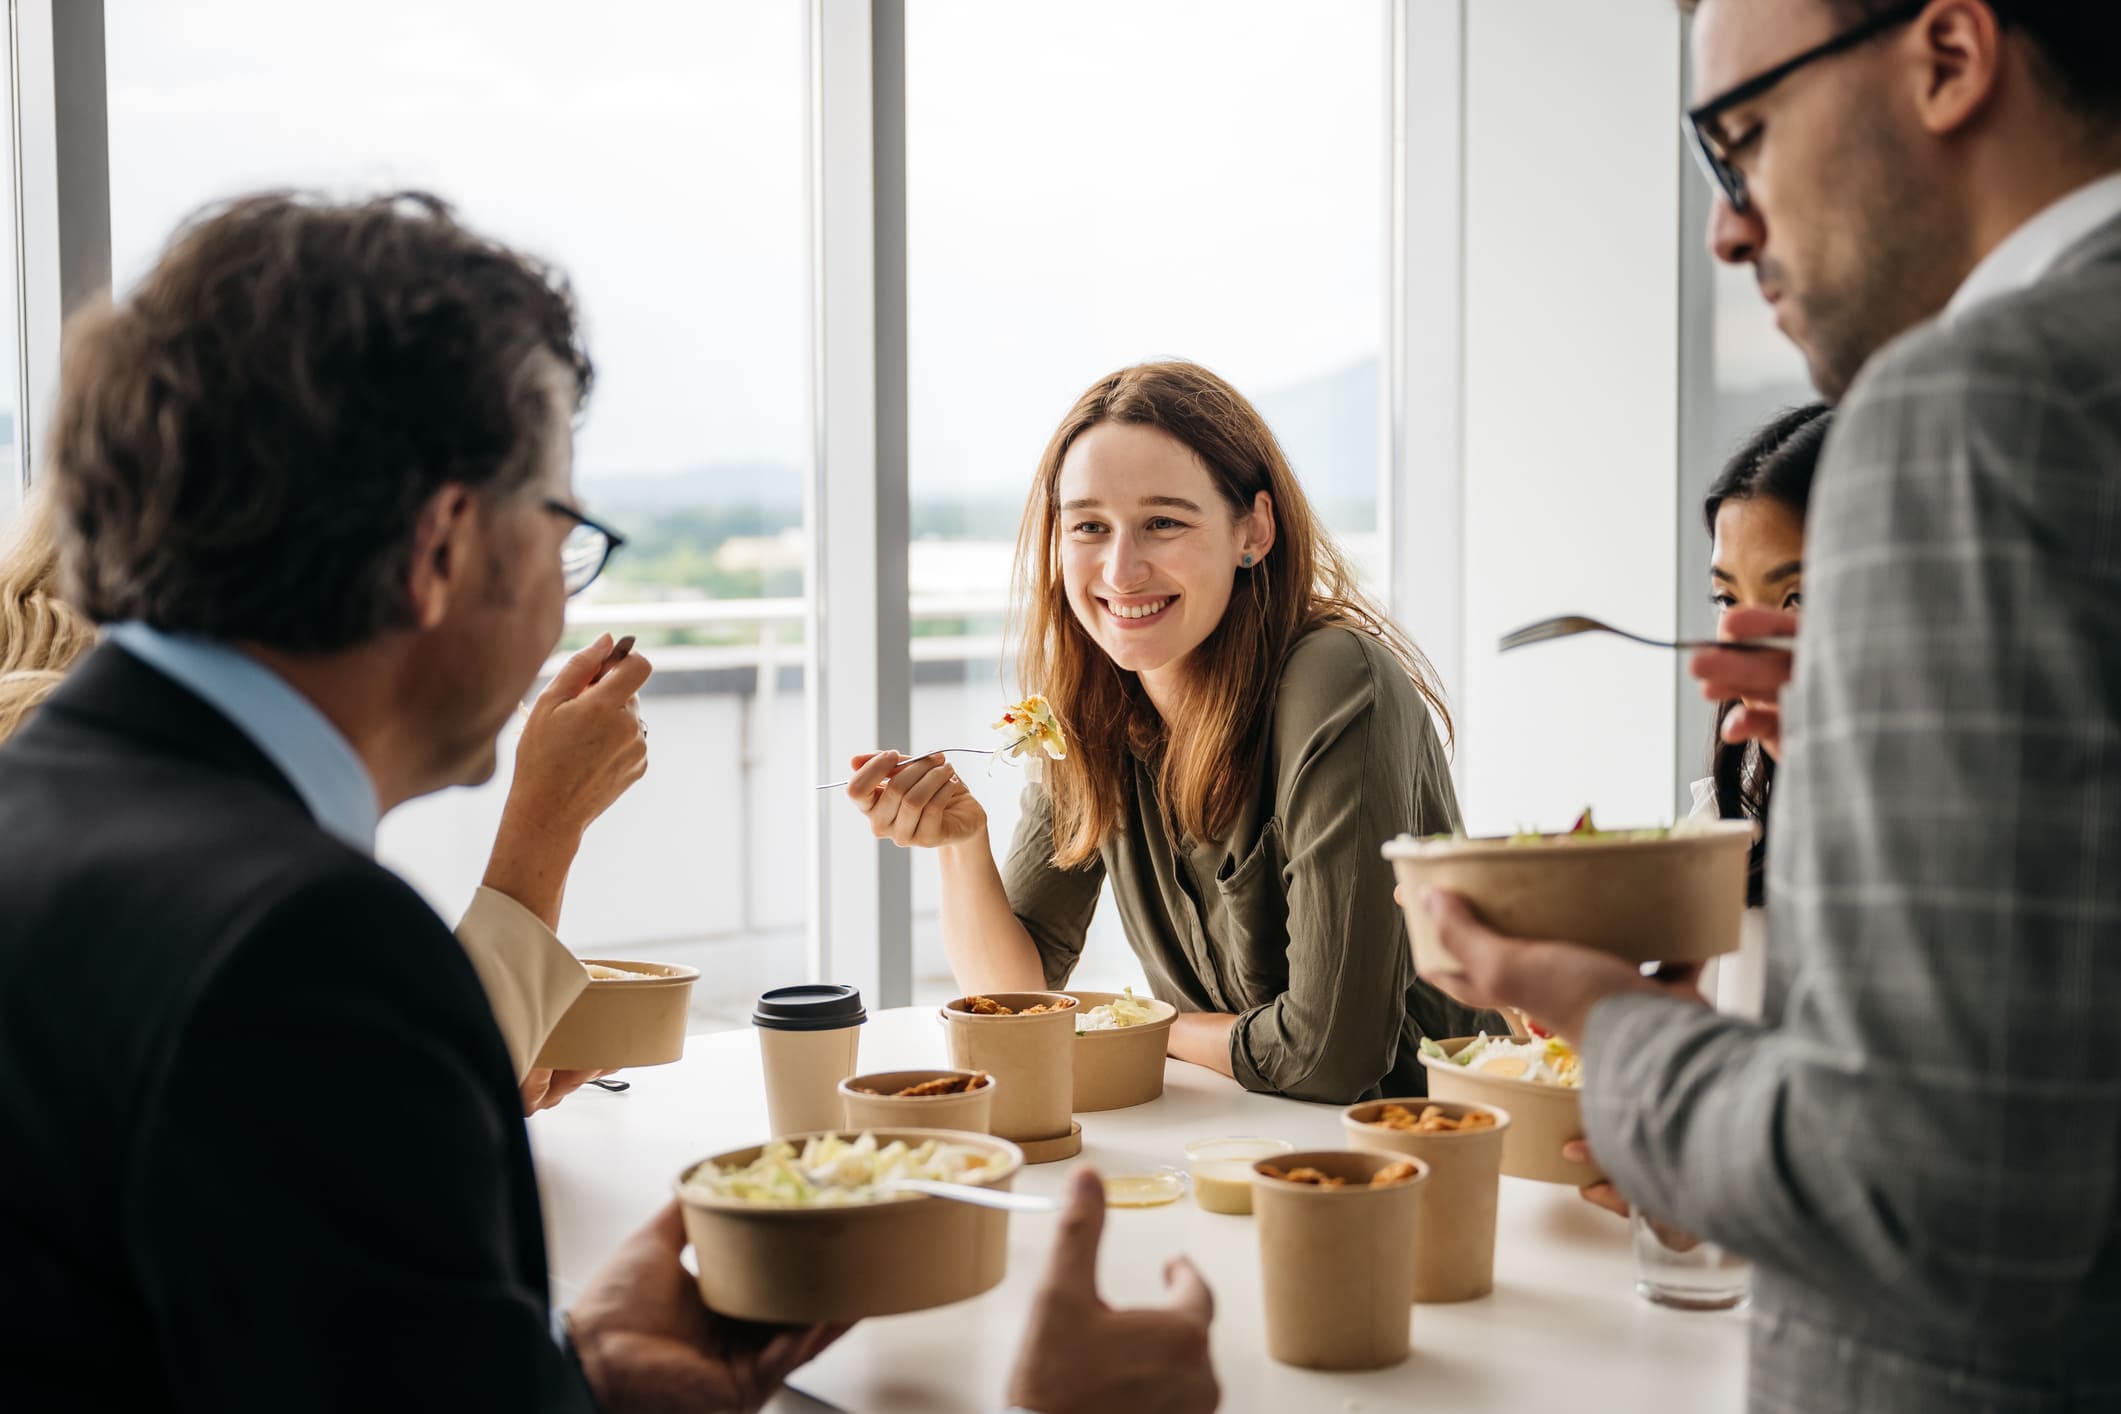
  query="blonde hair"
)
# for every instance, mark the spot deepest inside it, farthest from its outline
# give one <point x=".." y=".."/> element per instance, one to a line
<point x="1303" y="583"/>
<point x="41" y="636"/>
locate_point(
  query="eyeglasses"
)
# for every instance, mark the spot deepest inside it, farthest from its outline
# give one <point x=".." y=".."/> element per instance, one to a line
<point x="586" y="550"/>
<point x="1704" y="125"/>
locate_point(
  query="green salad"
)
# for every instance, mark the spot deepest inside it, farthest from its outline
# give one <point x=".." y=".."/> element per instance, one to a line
<point x="1122" y="1011"/>
<point x="1584" y="831"/>
<point x="833" y="1172"/>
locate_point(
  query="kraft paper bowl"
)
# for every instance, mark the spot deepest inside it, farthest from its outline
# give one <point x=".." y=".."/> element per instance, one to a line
<point x="805" y="1266"/>
<point x="1118" y="1068"/>
<point x="970" y="1110"/>
<point x="623" y="1022"/>
<point x="1542" y="1117"/>
<point x="1337" y="1264"/>
<point x="1032" y="1060"/>
<point x="1677" y="899"/>
<point x="1456" y="1258"/>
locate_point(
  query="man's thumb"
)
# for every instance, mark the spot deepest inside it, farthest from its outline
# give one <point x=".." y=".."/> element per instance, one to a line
<point x="1073" y="1266"/>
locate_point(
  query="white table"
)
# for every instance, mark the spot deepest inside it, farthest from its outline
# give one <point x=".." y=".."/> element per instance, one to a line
<point x="1564" y="1329"/>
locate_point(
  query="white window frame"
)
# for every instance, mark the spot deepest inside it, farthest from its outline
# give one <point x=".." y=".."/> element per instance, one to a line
<point x="60" y="130"/>
<point x="860" y="634"/>
<point x="858" y="643"/>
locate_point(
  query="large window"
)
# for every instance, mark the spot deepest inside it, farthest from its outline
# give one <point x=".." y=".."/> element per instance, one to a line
<point x="1746" y="372"/>
<point x="657" y="152"/>
<point x="1105" y="183"/>
<point x="12" y="480"/>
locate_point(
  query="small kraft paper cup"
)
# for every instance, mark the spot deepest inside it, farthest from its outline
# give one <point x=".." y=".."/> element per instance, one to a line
<point x="1455" y="1260"/>
<point x="1676" y="899"/>
<point x="1124" y="1066"/>
<point x="1337" y="1264"/>
<point x="809" y="1037"/>
<point x="1542" y="1117"/>
<point x="1032" y="1060"/>
<point x="809" y="1266"/>
<point x="873" y="1102"/>
<point x="623" y="1023"/>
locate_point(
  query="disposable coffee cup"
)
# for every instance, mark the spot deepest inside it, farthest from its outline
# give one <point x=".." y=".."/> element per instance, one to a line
<point x="808" y="1040"/>
<point x="1456" y="1258"/>
<point x="1336" y="1265"/>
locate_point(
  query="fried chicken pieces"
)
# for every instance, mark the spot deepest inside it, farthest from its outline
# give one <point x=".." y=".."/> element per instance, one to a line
<point x="987" y="1006"/>
<point x="941" y="1085"/>
<point x="1432" y="1120"/>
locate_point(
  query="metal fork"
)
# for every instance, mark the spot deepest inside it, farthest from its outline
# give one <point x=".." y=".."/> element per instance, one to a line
<point x="939" y="751"/>
<point x="1569" y="625"/>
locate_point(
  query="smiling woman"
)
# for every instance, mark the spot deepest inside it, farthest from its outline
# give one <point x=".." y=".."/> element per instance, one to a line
<point x="1245" y="727"/>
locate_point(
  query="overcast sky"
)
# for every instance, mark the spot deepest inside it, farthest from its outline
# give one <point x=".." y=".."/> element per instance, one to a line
<point x="1090" y="183"/>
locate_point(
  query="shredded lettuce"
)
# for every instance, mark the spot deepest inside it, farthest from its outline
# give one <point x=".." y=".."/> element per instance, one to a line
<point x="1122" y="1011"/>
<point x="1584" y="831"/>
<point x="1548" y="1060"/>
<point x="833" y="1172"/>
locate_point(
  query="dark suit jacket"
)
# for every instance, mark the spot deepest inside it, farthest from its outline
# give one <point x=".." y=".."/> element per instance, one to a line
<point x="260" y="1143"/>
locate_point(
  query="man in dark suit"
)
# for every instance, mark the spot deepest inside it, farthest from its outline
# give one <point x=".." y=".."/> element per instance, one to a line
<point x="261" y="1146"/>
<point x="264" y="1148"/>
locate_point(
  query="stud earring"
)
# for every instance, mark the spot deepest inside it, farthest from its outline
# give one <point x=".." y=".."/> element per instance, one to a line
<point x="1247" y="562"/>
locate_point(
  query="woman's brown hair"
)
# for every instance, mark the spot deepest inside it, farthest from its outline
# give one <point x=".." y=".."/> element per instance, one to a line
<point x="40" y="635"/>
<point x="1302" y="584"/>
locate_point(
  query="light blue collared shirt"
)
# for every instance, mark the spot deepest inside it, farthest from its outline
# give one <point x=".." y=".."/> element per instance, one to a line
<point x="283" y="724"/>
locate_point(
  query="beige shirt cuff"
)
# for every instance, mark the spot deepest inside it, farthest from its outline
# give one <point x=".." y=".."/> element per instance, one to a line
<point x="529" y="975"/>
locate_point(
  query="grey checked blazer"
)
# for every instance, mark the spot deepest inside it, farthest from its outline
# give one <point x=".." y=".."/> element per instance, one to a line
<point x="1922" y="1147"/>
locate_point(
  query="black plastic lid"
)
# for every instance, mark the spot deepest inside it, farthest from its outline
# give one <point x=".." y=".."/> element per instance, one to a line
<point x="819" y="1006"/>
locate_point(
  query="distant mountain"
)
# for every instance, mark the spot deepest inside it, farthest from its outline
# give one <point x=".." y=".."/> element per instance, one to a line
<point x="1327" y="426"/>
<point x="770" y="486"/>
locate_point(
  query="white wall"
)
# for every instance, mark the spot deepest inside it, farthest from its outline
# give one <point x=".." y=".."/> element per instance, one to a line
<point x="1571" y="414"/>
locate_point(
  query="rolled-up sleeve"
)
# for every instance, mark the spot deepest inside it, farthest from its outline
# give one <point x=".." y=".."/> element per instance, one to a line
<point x="1351" y="777"/>
<point x="1054" y="904"/>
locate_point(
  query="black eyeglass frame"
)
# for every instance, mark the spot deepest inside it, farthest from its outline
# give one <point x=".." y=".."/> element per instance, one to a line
<point x="1700" y="123"/>
<point x="612" y="541"/>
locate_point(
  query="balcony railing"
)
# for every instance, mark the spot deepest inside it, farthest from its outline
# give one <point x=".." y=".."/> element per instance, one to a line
<point x="772" y="617"/>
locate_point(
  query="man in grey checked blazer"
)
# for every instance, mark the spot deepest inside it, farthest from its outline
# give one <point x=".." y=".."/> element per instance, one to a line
<point x="1921" y="1149"/>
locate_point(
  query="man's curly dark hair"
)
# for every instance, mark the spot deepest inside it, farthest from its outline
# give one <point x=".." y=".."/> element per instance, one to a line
<point x="243" y="444"/>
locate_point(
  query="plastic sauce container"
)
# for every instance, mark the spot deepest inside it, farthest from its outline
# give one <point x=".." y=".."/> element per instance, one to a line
<point x="1222" y="1170"/>
<point x="1145" y="1190"/>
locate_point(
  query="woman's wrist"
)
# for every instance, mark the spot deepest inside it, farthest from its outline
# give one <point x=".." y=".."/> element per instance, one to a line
<point x="969" y="850"/>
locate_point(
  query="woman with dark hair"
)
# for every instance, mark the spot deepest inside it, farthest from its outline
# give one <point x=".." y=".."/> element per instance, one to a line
<point x="1755" y="512"/>
<point x="1245" y="729"/>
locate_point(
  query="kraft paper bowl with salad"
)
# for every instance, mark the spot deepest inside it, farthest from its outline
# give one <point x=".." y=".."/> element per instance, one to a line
<point x="1663" y="895"/>
<point x="1537" y="1081"/>
<point x="1120" y="1043"/>
<point x="800" y="1231"/>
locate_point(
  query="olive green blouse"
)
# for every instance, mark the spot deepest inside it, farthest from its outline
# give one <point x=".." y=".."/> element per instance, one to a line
<point x="1288" y="922"/>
